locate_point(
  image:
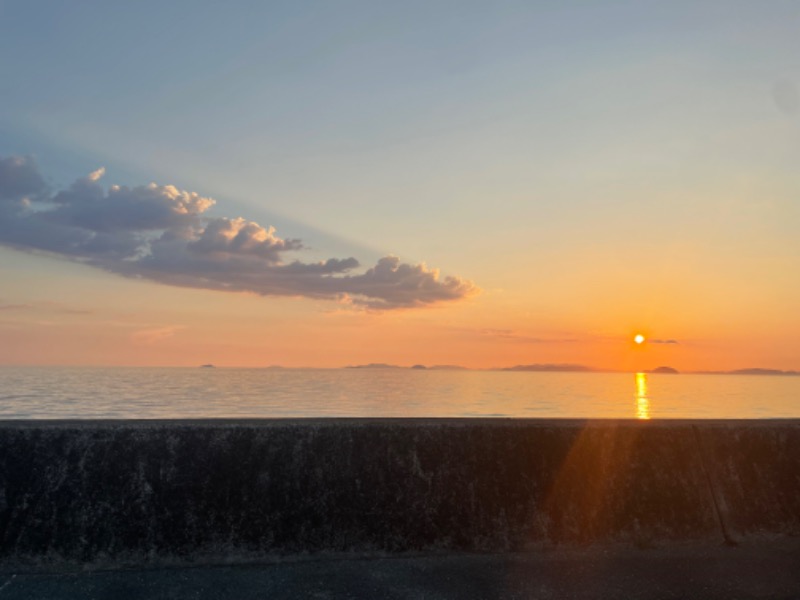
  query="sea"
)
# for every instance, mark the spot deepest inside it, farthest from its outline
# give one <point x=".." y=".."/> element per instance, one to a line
<point x="199" y="393"/>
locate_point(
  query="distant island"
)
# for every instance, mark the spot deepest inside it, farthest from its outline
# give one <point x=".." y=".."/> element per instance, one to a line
<point x="416" y="367"/>
<point x="208" y="366"/>
<point x="537" y="367"/>
<point x="763" y="372"/>
<point x="440" y="368"/>
<point x="665" y="370"/>
<point x="751" y="371"/>
<point x="549" y="368"/>
<point x="566" y="368"/>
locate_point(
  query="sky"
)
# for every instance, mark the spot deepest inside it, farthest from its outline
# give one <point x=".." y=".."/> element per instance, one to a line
<point x="333" y="183"/>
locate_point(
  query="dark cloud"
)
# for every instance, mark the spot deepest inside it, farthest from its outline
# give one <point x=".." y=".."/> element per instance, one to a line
<point x="20" y="182"/>
<point x="240" y="237"/>
<point x="663" y="341"/>
<point x="398" y="284"/>
<point x="87" y="205"/>
<point x="160" y="233"/>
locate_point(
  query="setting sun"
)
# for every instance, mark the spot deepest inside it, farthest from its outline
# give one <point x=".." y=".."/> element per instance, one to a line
<point x="126" y="242"/>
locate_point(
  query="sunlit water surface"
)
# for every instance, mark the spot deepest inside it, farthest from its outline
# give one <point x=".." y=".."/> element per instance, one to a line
<point x="127" y="393"/>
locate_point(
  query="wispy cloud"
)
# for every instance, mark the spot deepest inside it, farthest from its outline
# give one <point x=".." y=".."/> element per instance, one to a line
<point x="46" y="306"/>
<point x="154" y="335"/>
<point x="663" y="341"/>
<point x="160" y="233"/>
<point x="513" y="335"/>
<point x="16" y="306"/>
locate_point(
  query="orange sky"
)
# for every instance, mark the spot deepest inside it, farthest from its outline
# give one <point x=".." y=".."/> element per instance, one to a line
<point x="101" y="319"/>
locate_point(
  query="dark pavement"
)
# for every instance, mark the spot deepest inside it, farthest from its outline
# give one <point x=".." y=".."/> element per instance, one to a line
<point x="765" y="570"/>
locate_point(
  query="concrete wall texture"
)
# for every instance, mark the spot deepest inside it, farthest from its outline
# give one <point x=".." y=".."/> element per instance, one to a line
<point x="165" y="492"/>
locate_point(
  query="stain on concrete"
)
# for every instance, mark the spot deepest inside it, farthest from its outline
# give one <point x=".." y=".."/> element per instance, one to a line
<point x="121" y="493"/>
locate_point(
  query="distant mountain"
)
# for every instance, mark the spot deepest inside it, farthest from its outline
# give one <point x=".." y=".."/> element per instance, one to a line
<point x="374" y="366"/>
<point x="762" y="372"/>
<point x="447" y="368"/>
<point x="208" y="366"/>
<point x="665" y="370"/>
<point x="548" y="367"/>
<point x="751" y="371"/>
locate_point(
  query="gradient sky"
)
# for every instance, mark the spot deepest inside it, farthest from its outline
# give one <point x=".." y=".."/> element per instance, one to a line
<point x="552" y="178"/>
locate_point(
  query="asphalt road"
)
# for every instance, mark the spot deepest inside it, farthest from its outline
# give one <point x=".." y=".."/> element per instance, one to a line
<point x="765" y="570"/>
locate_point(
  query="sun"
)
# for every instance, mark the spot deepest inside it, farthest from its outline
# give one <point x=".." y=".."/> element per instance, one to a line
<point x="638" y="338"/>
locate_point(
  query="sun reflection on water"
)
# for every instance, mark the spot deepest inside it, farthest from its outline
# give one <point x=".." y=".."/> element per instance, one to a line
<point x="642" y="401"/>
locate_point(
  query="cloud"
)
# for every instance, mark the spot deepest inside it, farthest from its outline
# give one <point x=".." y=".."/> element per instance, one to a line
<point x="513" y="335"/>
<point x="154" y="335"/>
<point x="20" y="182"/>
<point x="237" y="236"/>
<point x="47" y="306"/>
<point x="15" y="306"/>
<point x="87" y="205"/>
<point x="663" y="341"/>
<point x="161" y="233"/>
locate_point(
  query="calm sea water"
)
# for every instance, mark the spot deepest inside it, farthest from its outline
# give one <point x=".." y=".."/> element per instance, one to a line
<point x="94" y="393"/>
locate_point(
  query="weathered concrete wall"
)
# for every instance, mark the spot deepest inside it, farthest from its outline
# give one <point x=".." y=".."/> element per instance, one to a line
<point x="136" y="492"/>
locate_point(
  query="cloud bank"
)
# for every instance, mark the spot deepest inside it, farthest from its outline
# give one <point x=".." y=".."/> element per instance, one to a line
<point x="161" y="233"/>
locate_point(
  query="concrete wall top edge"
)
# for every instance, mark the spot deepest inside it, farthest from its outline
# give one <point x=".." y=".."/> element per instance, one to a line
<point x="401" y="422"/>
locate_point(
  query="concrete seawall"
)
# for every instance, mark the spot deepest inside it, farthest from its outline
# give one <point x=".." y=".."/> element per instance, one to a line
<point x="115" y="493"/>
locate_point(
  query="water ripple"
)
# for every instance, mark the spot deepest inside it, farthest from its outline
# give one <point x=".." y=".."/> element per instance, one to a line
<point x="124" y="393"/>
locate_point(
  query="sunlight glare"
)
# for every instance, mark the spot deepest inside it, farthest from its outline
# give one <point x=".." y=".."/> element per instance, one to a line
<point x="642" y="401"/>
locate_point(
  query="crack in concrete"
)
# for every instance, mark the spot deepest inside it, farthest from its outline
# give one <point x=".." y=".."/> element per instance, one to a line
<point x="729" y="541"/>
